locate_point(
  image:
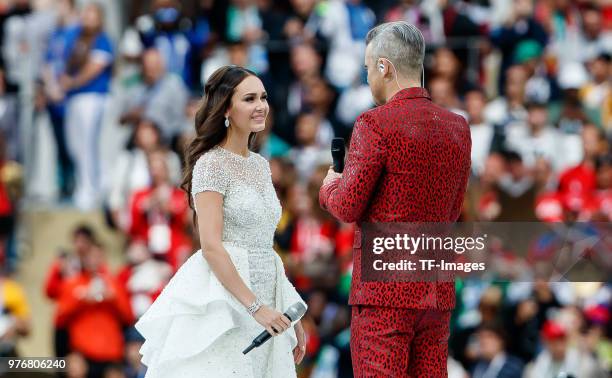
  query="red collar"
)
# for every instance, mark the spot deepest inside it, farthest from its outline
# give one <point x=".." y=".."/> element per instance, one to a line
<point x="412" y="92"/>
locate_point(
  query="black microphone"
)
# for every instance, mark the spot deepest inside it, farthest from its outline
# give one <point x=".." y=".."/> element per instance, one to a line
<point x="295" y="312"/>
<point x="337" y="151"/>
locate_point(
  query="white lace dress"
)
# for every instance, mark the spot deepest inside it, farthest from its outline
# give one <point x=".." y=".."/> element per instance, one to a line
<point x="196" y="328"/>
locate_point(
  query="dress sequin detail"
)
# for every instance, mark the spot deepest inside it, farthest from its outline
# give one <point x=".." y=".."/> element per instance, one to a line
<point x="251" y="212"/>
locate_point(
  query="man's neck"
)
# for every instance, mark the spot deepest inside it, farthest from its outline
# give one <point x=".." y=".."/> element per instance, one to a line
<point x="395" y="89"/>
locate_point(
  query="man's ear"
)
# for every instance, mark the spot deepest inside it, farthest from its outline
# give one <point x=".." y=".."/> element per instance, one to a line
<point x="382" y="68"/>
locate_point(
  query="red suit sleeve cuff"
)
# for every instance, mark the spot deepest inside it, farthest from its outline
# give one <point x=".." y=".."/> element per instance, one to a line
<point x="325" y="193"/>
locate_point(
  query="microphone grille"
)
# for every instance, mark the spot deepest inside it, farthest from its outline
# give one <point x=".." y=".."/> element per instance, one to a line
<point x="296" y="311"/>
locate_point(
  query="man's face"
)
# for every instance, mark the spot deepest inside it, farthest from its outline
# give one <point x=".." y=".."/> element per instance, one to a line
<point x="152" y="66"/>
<point x="537" y="116"/>
<point x="375" y="78"/>
<point x="82" y="244"/>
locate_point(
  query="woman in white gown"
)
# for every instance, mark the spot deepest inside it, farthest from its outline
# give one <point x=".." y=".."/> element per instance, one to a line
<point x="225" y="294"/>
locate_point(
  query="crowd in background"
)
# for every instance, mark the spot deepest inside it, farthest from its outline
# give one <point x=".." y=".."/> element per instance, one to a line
<point x="533" y="78"/>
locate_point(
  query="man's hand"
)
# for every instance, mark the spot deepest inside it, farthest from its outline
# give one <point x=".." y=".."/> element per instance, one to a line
<point x="331" y="175"/>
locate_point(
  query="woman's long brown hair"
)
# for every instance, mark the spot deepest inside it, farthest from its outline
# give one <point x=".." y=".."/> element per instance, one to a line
<point x="210" y="119"/>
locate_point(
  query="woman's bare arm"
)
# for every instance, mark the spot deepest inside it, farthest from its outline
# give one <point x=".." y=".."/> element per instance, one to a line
<point x="210" y="227"/>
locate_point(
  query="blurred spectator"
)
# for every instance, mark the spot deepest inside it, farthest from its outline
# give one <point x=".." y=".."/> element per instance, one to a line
<point x="572" y="77"/>
<point x="244" y="22"/>
<point x="66" y="266"/>
<point x="463" y="18"/>
<point x="559" y="357"/>
<point x="488" y="207"/>
<point x="482" y="132"/>
<point x="535" y="138"/>
<point x="599" y="88"/>
<point x="159" y="214"/>
<point x="522" y="324"/>
<point x="540" y="86"/>
<point x="162" y="30"/>
<point x="87" y="81"/>
<point x="511" y="106"/>
<point x="443" y="93"/>
<point x="311" y="244"/>
<point x="143" y="278"/>
<point x="596" y="38"/>
<point x="331" y="322"/>
<point x="446" y="65"/>
<point x="517" y="190"/>
<point x="11" y="192"/>
<point x="300" y="21"/>
<point x="545" y="178"/>
<point x="538" y="151"/>
<point x="562" y="20"/>
<point x="321" y="98"/>
<point x="520" y="25"/>
<point x="114" y="371"/>
<point x="577" y="184"/>
<point x="352" y="102"/>
<point x="306" y="66"/>
<point x="9" y="119"/>
<point x="597" y="318"/>
<point x="460" y="22"/>
<point x="345" y="24"/>
<point x="423" y="15"/>
<point x="26" y="29"/>
<point x="162" y="97"/>
<point x="53" y="69"/>
<point x="76" y="366"/>
<point x="94" y="308"/>
<point x="309" y="153"/>
<point x="603" y="197"/>
<point x="131" y="171"/>
<point x="14" y="315"/>
<point x="232" y="52"/>
<point x="134" y="367"/>
<point x="455" y="370"/>
<point x="131" y="48"/>
<point x="479" y="305"/>
<point x="494" y="361"/>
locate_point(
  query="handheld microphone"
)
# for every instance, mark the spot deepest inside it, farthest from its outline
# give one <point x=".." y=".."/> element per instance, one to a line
<point x="295" y="312"/>
<point x="337" y="151"/>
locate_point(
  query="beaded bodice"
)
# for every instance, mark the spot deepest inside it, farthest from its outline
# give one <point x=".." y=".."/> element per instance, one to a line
<point x="251" y="209"/>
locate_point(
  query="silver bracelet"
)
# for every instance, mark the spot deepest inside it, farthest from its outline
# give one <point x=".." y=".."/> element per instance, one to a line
<point x="252" y="309"/>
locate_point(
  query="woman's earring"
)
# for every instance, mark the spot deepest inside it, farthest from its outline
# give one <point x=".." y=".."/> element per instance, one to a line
<point x="226" y="122"/>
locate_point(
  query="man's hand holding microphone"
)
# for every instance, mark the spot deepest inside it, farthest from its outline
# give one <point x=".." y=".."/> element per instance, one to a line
<point x="338" y="152"/>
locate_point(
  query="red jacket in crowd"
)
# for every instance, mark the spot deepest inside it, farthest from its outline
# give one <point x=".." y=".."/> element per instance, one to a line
<point x="158" y="231"/>
<point x="95" y="327"/>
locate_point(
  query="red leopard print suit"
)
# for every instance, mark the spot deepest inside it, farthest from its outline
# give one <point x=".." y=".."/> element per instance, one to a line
<point x="408" y="161"/>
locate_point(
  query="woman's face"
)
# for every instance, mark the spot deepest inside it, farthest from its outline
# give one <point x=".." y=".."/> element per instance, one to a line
<point x="92" y="17"/>
<point x="147" y="136"/>
<point x="158" y="167"/>
<point x="249" y="107"/>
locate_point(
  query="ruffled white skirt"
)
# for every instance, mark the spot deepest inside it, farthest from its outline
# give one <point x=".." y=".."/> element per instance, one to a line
<point x="196" y="328"/>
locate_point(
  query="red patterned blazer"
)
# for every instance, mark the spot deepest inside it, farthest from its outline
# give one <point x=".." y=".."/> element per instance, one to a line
<point x="408" y="161"/>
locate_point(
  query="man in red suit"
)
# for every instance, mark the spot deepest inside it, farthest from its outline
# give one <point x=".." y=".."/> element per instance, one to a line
<point x="408" y="161"/>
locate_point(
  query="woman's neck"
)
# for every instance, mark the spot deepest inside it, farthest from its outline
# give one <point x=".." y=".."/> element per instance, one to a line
<point x="236" y="143"/>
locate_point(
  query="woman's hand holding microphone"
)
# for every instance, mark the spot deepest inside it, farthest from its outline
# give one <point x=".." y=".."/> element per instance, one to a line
<point x="274" y="321"/>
